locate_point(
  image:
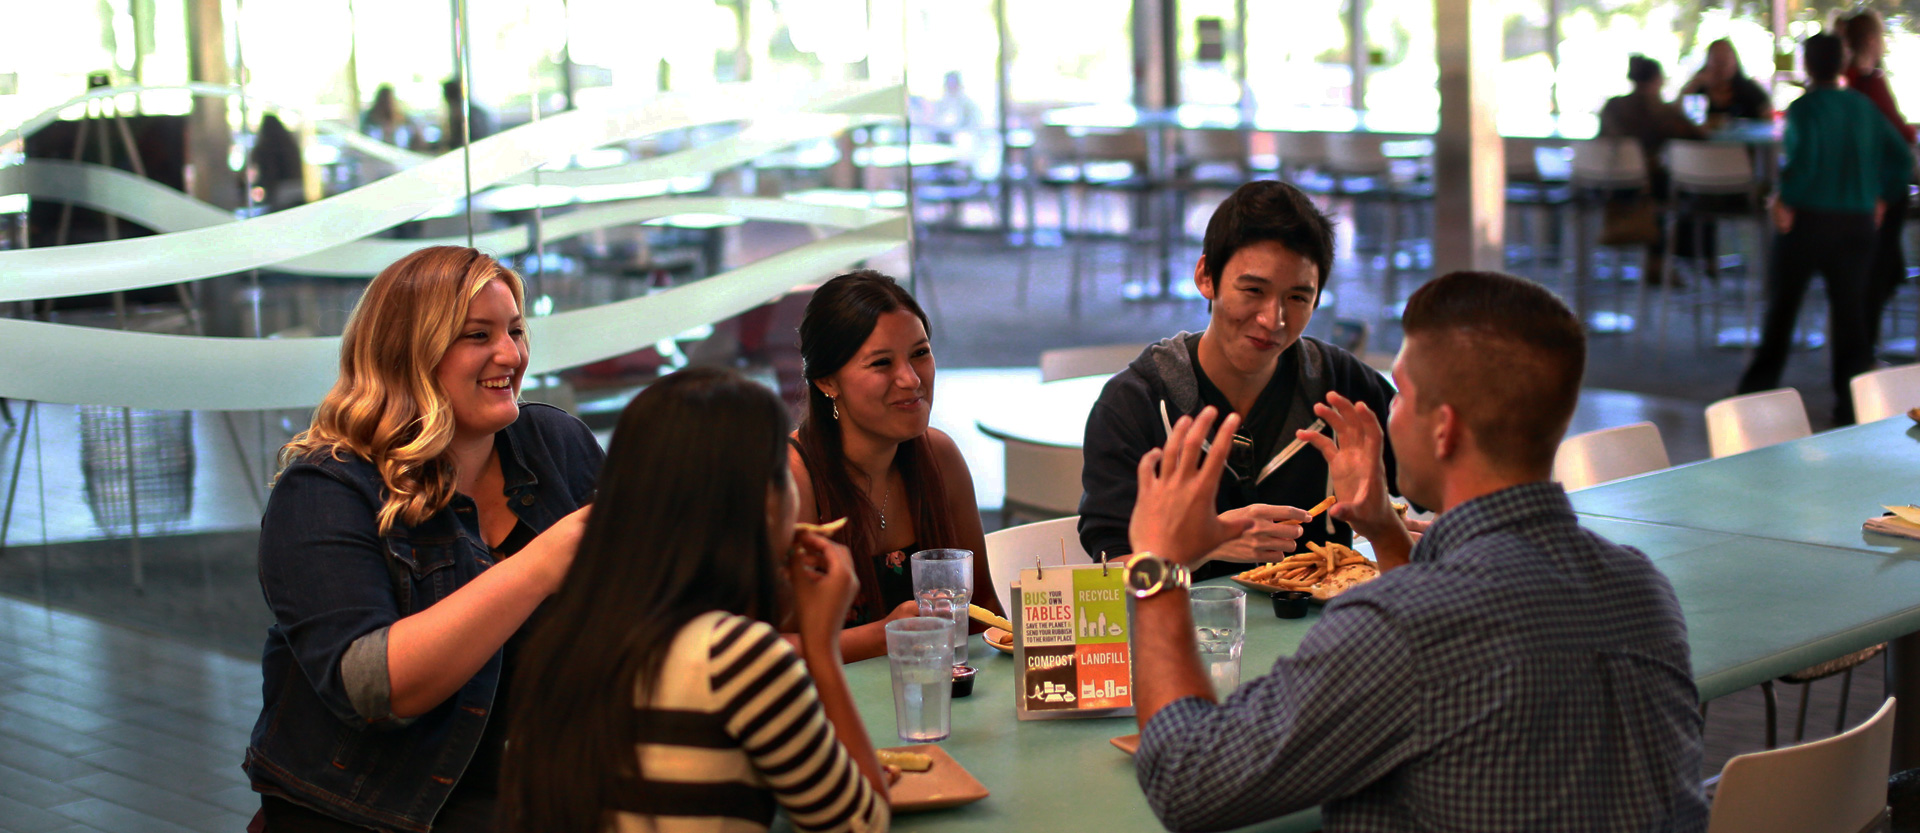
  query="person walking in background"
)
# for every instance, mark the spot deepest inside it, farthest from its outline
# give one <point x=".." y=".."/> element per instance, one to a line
<point x="1730" y="93"/>
<point x="1841" y="159"/>
<point x="1866" y="39"/>
<point x="1646" y="116"/>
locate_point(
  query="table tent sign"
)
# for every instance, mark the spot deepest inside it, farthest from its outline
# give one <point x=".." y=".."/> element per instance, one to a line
<point x="1071" y="629"/>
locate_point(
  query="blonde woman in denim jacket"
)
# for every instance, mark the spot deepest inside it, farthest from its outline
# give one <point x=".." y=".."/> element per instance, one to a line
<point x="412" y="531"/>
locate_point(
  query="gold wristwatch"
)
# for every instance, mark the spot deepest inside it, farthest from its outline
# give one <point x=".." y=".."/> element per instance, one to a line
<point x="1148" y="574"/>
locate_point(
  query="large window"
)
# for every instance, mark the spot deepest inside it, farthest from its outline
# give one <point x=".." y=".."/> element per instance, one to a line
<point x="245" y="224"/>
<point x="1071" y="53"/>
<point x="1209" y="65"/>
<point x="1523" y="92"/>
<point x="1403" y="76"/>
<point x="1297" y="54"/>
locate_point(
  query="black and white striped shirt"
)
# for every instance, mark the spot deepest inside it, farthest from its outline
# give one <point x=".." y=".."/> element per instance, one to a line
<point x="733" y="731"/>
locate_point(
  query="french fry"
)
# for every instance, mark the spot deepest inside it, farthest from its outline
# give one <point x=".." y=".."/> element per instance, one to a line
<point x="1322" y="506"/>
<point x="987" y="617"/>
<point x="906" y="761"/>
<point x="825" y="530"/>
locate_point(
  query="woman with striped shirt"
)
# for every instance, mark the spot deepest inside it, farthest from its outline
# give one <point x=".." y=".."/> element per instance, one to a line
<point x="656" y="693"/>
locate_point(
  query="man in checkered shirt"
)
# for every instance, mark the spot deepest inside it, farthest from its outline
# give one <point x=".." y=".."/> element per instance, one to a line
<point x="1509" y="671"/>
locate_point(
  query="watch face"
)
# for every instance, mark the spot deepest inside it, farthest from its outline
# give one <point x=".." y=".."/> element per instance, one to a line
<point x="1146" y="575"/>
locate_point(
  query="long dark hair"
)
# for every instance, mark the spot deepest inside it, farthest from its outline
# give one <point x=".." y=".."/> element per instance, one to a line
<point x="679" y="529"/>
<point x="839" y="317"/>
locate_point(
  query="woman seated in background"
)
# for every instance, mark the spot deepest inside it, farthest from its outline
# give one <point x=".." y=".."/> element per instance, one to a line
<point x="1645" y="116"/>
<point x="656" y="684"/>
<point x="412" y="530"/>
<point x="1730" y="93"/>
<point x="864" y="451"/>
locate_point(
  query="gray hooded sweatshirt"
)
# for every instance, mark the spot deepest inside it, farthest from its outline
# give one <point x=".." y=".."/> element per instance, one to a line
<point x="1138" y="406"/>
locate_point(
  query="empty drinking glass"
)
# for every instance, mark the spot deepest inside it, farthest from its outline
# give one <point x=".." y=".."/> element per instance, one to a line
<point x="943" y="585"/>
<point x="1220" y="625"/>
<point x="921" y="658"/>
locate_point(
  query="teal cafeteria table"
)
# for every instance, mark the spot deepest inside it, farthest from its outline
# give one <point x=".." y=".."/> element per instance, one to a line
<point x="1814" y="491"/>
<point x="1755" y="607"/>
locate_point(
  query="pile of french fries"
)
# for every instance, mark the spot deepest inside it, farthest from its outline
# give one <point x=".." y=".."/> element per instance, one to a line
<point x="1307" y="570"/>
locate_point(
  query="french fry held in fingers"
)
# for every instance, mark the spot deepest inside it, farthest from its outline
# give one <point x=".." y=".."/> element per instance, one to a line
<point x="1322" y="506"/>
<point x="825" y="530"/>
<point x="988" y="618"/>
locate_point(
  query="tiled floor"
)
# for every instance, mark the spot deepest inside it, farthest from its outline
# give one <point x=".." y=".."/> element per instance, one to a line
<point x="105" y="728"/>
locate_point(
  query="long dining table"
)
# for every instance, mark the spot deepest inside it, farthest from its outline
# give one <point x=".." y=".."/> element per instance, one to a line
<point x="1765" y="551"/>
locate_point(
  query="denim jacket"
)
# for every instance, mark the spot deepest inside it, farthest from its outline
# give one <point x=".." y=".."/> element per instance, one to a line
<point x="330" y="579"/>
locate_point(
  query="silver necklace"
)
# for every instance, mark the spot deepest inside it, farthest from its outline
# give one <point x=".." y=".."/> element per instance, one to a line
<point x="884" y="497"/>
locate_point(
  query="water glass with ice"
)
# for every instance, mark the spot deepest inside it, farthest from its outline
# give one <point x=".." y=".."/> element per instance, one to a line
<point x="943" y="585"/>
<point x="920" y="656"/>
<point x="1220" y="626"/>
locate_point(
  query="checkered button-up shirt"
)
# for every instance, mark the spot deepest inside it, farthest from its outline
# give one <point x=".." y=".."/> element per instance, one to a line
<point x="1521" y="674"/>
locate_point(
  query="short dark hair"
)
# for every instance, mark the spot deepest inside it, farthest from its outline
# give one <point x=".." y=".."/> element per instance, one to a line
<point x="1507" y="355"/>
<point x="1641" y="69"/>
<point x="1823" y="55"/>
<point x="1263" y="210"/>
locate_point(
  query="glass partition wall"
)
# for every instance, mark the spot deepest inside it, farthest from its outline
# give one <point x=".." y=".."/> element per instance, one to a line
<point x="193" y="193"/>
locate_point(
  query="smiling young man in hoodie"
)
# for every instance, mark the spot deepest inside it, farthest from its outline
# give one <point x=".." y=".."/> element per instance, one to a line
<point x="1264" y="262"/>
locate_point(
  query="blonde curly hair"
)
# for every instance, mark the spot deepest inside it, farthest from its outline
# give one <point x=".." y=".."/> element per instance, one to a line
<point x="387" y="406"/>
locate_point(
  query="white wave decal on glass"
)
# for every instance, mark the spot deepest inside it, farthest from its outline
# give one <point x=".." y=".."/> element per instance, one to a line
<point x="60" y="363"/>
<point x="369" y="209"/>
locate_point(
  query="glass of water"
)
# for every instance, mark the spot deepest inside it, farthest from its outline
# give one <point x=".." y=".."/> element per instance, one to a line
<point x="943" y="585"/>
<point x="921" y="659"/>
<point x="1220" y="625"/>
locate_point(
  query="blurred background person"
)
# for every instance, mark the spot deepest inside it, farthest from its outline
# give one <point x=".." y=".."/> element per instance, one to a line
<point x="459" y="131"/>
<point x="1645" y="115"/>
<point x="279" y="177"/>
<point x="1866" y="40"/>
<point x="386" y="121"/>
<point x="1730" y="93"/>
<point x="1841" y="159"/>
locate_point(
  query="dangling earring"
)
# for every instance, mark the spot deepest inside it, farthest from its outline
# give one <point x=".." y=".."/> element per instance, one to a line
<point x="835" y="404"/>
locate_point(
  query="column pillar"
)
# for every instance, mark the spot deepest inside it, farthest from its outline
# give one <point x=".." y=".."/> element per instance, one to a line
<point x="208" y="137"/>
<point x="1469" y="161"/>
